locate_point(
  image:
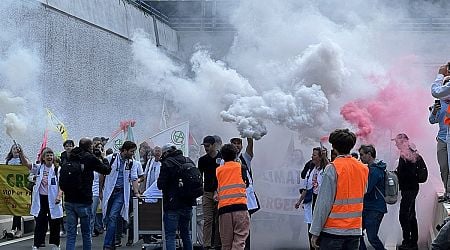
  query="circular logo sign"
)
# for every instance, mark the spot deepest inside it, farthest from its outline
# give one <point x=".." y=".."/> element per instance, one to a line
<point x="178" y="137"/>
<point x="117" y="144"/>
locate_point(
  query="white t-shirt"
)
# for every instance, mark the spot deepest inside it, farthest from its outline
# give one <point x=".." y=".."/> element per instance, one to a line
<point x="43" y="188"/>
<point x="14" y="161"/>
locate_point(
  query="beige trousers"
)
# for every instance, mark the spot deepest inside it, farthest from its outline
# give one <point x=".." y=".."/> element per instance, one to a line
<point x="234" y="229"/>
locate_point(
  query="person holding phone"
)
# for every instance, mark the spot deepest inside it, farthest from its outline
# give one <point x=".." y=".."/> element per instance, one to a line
<point x="441" y="90"/>
<point x="437" y="113"/>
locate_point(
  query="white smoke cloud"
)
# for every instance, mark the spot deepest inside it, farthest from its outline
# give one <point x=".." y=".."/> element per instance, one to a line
<point x="10" y="103"/>
<point x="199" y="97"/>
<point x="20" y="102"/>
<point x="20" y="68"/>
<point x="15" y="126"/>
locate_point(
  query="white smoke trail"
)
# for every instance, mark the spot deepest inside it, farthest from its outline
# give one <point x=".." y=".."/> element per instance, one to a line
<point x="15" y="126"/>
<point x="20" y="102"/>
<point x="10" y="103"/>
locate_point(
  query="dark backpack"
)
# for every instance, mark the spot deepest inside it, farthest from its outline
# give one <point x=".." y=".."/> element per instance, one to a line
<point x="190" y="181"/>
<point x="70" y="179"/>
<point x="422" y="171"/>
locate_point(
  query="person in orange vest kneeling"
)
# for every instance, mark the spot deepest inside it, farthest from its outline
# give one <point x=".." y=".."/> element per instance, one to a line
<point x="234" y="219"/>
<point x="337" y="216"/>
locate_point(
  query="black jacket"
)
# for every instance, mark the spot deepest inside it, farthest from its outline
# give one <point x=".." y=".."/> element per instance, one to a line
<point x="91" y="164"/>
<point x="168" y="182"/>
<point x="407" y="173"/>
<point x="64" y="158"/>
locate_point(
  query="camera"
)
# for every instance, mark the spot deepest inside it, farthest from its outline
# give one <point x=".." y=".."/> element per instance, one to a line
<point x="97" y="152"/>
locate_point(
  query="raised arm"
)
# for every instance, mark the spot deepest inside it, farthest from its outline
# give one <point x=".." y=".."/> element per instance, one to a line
<point x="249" y="148"/>
<point x="24" y="159"/>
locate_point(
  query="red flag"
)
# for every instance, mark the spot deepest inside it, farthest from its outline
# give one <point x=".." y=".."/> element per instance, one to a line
<point x="43" y="144"/>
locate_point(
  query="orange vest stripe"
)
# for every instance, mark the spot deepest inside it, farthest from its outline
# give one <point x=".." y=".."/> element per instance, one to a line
<point x="447" y="116"/>
<point x="347" y="223"/>
<point x="231" y="187"/>
<point x="352" y="178"/>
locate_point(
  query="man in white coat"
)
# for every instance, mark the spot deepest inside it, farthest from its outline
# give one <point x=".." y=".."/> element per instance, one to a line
<point x="116" y="189"/>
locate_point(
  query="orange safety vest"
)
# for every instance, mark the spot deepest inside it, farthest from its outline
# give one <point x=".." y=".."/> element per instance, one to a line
<point x="447" y="116"/>
<point x="352" y="177"/>
<point x="231" y="187"/>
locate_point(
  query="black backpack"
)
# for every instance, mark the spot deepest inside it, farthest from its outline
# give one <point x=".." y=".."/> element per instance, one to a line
<point x="190" y="181"/>
<point x="70" y="178"/>
<point x="422" y="171"/>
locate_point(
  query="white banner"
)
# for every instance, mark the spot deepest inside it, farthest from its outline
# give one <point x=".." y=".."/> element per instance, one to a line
<point x="178" y="135"/>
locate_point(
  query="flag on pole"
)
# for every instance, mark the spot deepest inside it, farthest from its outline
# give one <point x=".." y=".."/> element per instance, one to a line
<point x="43" y="144"/>
<point x="178" y="135"/>
<point x="123" y="133"/>
<point x="57" y="124"/>
<point x="164" y="116"/>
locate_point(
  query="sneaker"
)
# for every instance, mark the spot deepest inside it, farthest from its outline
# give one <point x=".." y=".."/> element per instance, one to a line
<point x="34" y="248"/>
<point x="129" y="243"/>
<point x="118" y="244"/>
<point x="62" y="234"/>
<point x="413" y="246"/>
<point x="403" y="247"/>
<point x="442" y="198"/>
<point x="18" y="234"/>
<point x="56" y="248"/>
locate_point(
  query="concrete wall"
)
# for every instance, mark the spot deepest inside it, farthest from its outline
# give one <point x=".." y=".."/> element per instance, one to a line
<point x="87" y="73"/>
<point x="116" y="16"/>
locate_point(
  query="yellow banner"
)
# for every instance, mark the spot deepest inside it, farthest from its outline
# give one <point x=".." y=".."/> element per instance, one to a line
<point x="15" y="198"/>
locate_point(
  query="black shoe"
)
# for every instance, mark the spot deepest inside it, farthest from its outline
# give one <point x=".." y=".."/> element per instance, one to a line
<point x="413" y="246"/>
<point x="442" y="198"/>
<point x="129" y="243"/>
<point x="403" y="246"/>
<point x="118" y="244"/>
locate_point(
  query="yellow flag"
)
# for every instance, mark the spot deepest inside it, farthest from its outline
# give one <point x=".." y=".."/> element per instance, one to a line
<point x="58" y="125"/>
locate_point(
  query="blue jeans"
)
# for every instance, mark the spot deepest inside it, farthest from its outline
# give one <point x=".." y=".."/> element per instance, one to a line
<point x="73" y="212"/>
<point x="181" y="219"/>
<point x="371" y="222"/>
<point x="115" y="204"/>
<point x="96" y="221"/>
<point x="329" y="242"/>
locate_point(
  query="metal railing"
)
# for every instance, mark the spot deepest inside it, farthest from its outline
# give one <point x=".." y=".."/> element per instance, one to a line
<point x="146" y="8"/>
<point x="201" y="24"/>
<point x="423" y="24"/>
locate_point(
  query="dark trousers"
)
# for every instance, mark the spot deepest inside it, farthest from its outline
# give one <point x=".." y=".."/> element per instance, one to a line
<point x="17" y="223"/>
<point x="43" y="220"/>
<point x="407" y="217"/>
<point x="330" y="242"/>
<point x="371" y="223"/>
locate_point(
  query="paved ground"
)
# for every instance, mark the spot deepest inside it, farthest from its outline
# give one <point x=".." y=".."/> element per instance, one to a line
<point x="27" y="241"/>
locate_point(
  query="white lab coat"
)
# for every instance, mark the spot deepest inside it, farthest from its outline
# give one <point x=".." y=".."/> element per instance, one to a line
<point x="56" y="210"/>
<point x="252" y="203"/>
<point x="110" y="181"/>
<point x="308" y="184"/>
<point x="152" y="167"/>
